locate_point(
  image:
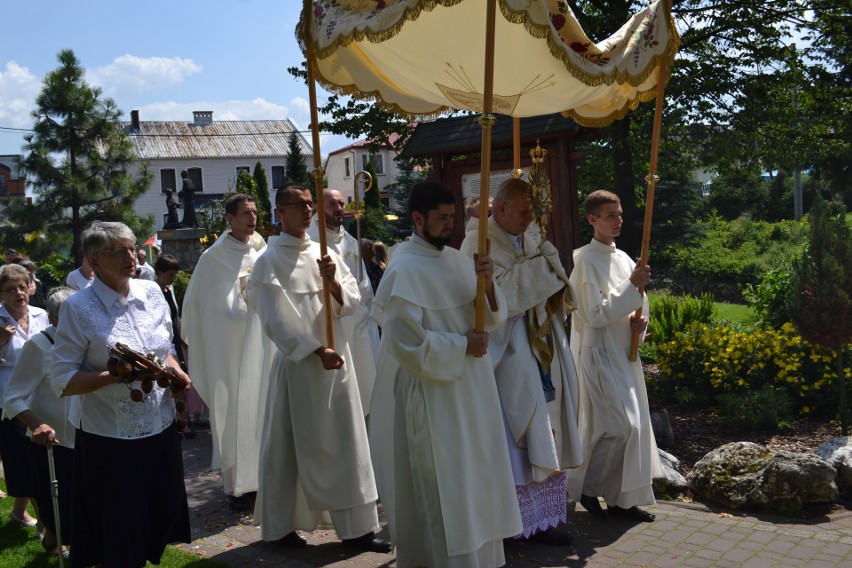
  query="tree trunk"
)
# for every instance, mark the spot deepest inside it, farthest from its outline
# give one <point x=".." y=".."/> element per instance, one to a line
<point x="841" y="393"/>
<point x="630" y="240"/>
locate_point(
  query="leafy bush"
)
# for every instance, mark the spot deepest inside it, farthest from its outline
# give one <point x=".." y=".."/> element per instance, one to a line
<point x="733" y="253"/>
<point x="770" y="298"/>
<point x="670" y="314"/>
<point x="765" y="408"/>
<point x="707" y="360"/>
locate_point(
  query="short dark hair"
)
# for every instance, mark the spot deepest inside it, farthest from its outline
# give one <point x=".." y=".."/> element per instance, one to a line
<point x="282" y="193"/>
<point x="232" y="205"/>
<point x="166" y="262"/>
<point x="428" y="195"/>
<point x="596" y="199"/>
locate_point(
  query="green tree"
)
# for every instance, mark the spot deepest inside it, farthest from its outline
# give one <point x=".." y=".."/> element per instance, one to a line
<point x="374" y="224"/>
<point x="821" y="303"/>
<point x="77" y="158"/>
<point x="295" y="168"/>
<point x="264" y="202"/>
<point x="406" y="177"/>
<point x="737" y="193"/>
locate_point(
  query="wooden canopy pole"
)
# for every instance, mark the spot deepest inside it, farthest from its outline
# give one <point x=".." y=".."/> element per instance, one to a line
<point x="651" y="180"/>
<point x="487" y="120"/>
<point x="517" y="172"/>
<point x="319" y="171"/>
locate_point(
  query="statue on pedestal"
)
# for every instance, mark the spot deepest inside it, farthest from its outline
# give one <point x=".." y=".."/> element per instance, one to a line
<point x="187" y="194"/>
<point x="172" y="221"/>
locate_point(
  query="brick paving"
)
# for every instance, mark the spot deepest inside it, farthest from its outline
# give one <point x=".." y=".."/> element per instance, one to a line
<point x="684" y="534"/>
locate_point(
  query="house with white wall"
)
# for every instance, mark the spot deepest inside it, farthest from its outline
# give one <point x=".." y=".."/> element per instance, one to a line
<point x="342" y="165"/>
<point x="213" y="153"/>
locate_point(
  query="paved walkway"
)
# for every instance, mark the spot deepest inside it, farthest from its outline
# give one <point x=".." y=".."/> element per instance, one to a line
<point x="684" y="534"/>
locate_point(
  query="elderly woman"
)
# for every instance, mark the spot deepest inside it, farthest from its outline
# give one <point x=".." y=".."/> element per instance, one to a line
<point x="18" y="322"/>
<point x="30" y="399"/>
<point x="129" y="499"/>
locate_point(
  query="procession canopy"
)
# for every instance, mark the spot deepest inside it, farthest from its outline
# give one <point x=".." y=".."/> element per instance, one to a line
<point x="424" y="57"/>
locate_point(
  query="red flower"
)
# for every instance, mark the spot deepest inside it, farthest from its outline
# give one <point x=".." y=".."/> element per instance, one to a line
<point x="558" y="21"/>
<point x="579" y="47"/>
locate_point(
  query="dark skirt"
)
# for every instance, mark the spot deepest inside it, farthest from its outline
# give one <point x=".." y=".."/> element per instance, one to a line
<point x="129" y="499"/>
<point x="63" y="461"/>
<point x="14" y="449"/>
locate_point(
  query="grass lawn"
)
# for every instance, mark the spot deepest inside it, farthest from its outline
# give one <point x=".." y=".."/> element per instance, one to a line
<point x="731" y="313"/>
<point x="21" y="547"/>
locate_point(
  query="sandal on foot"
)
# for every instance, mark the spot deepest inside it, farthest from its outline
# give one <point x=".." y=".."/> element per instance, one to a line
<point x="54" y="550"/>
<point x="22" y="521"/>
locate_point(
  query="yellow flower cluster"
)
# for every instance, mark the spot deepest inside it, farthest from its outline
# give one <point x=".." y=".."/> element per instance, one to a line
<point x="714" y="359"/>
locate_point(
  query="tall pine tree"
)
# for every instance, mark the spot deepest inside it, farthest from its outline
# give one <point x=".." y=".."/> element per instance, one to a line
<point x="296" y="170"/>
<point x="264" y="203"/>
<point x="76" y="160"/>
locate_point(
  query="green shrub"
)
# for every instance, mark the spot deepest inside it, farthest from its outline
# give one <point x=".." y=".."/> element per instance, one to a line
<point x="670" y="314"/>
<point x="180" y="284"/>
<point x="770" y="298"/>
<point x="705" y="360"/>
<point x="766" y="408"/>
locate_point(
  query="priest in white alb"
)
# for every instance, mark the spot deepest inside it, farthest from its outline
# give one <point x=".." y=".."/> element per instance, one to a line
<point x="621" y="457"/>
<point x="314" y="456"/>
<point x="363" y="333"/>
<point x="229" y="364"/>
<point x="532" y="364"/>
<point x="441" y="459"/>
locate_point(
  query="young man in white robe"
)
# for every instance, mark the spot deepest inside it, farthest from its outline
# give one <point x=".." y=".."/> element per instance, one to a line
<point x="620" y="451"/>
<point x="314" y="456"/>
<point x="532" y="358"/>
<point x="440" y="452"/>
<point x="230" y="365"/>
<point x="363" y="334"/>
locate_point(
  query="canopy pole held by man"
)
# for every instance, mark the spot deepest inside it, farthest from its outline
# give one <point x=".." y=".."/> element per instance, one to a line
<point x="652" y="180"/>
<point x="487" y="121"/>
<point x="319" y="171"/>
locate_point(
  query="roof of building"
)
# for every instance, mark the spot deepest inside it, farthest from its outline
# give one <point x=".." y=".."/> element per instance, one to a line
<point x="213" y="139"/>
<point x="464" y="134"/>
<point x="363" y="143"/>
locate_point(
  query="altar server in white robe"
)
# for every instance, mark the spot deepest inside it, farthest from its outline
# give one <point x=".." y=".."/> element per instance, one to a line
<point x="621" y="455"/>
<point x="229" y="368"/>
<point x="532" y="363"/>
<point x="440" y="451"/>
<point x="363" y="333"/>
<point x="314" y="455"/>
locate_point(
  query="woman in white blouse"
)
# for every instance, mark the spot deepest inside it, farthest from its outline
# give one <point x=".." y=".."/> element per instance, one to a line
<point x="31" y="400"/>
<point x="18" y="322"/>
<point x="129" y="499"/>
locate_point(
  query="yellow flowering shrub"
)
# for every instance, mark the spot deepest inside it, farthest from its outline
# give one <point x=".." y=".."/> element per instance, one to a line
<point x="706" y="360"/>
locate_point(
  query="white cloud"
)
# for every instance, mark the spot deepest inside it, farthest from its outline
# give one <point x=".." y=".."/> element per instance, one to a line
<point x="18" y="90"/>
<point x="130" y="75"/>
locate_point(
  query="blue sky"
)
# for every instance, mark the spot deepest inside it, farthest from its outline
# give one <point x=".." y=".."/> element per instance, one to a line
<point x="165" y="59"/>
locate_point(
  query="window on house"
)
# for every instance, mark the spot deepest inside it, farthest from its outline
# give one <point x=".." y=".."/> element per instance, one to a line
<point x="278" y="177"/>
<point x="241" y="169"/>
<point x="195" y="176"/>
<point x="3" y="188"/>
<point x="376" y="159"/>
<point x="168" y="180"/>
<point x="347" y="167"/>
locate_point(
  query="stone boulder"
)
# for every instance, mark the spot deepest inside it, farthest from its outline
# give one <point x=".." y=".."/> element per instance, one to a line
<point x="662" y="426"/>
<point x="746" y="475"/>
<point x="673" y="484"/>
<point x="838" y="452"/>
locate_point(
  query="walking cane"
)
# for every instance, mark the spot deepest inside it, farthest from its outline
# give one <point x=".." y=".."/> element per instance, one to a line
<point x="54" y="494"/>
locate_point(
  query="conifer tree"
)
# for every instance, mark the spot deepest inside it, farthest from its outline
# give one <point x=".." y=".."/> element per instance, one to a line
<point x="77" y="158"/>
<point x="296" y="170"/>
<point x="821" y="305"/>
<point x="264" y="203"/>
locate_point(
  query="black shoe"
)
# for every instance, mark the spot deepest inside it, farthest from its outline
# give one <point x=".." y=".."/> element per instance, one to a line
<point x="592" y="505"/>
<point x="243" y="502"/>
<point x="633" y="514"/>
<point x="290" y="541"/>
<point x="552" y="537"/>
<point x="369" y="543"/>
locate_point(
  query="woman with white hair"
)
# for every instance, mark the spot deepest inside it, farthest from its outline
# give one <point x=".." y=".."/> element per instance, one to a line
<point x="30" y="399"/>
<point x="18" y="322"/>
<point x="128" y="494"/>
